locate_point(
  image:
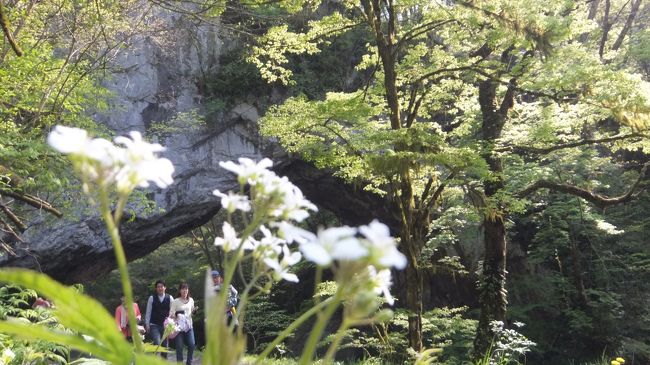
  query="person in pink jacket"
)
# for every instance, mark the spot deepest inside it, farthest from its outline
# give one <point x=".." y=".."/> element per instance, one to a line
<point x="122" y="315"/>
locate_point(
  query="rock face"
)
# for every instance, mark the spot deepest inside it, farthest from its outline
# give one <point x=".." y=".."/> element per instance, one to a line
<point x="155" y="83"/>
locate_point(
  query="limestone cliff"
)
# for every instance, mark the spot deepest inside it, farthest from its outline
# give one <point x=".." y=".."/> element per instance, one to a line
<point x="155" y="84"/>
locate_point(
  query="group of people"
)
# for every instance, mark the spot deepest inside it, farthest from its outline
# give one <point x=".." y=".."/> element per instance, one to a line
<point x="162" y="308"/>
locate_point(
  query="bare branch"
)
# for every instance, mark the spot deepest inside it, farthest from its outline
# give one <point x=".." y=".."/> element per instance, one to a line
<point x="4" y="22"/>
<point x="598" y="200"/>
<point x="33" y="201"/>
<point x="628" y="24"/>
<point x="529" y="150"/>
<point x="439" y="190"/>
<point x="17" y="222"/>
<point x="606" y="26"/>
<point x="7" y="229"/>
<point x="421" y="29"/>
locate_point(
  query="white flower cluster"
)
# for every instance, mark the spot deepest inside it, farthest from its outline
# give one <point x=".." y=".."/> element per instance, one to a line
<point x="510" y="344"/>
<point x="282" y="203"/>
<point x="103" y="162"/>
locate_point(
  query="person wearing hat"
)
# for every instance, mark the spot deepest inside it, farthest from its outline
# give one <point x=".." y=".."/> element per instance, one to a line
<point x="231" y="302"/>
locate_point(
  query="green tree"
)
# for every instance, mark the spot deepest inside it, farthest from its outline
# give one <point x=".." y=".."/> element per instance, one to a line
<point x="444" y="85"/>
<point x="49" y="68"/>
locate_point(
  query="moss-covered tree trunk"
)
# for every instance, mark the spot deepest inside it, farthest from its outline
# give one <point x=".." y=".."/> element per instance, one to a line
<point x="381" y="18"/>
<point x="492" y="291"/>
<point x="411" y="242"/>
<point x="414" y="305"/>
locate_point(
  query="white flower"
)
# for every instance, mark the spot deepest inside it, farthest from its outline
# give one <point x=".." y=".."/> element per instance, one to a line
<point x="101" y="161"/>
<point x="284" y="199"/>
<point x="382" y="282"/>
<point x="102" y="151"/>
<point x="140" y="164"/>
<point x="232" y="201"/>
<point x="336" y="243"/>
<point x="138" y="147"/>
<point x="292" y="233"/>
<point x="95" y="159"/>
<point x="230" y="241"/>
<point x="496" y="326"/>
<point x="382" y="246"/>
<point x="247" y="171"/>
<point x="269" y="239"/>
<point x="7" y="356"/>
<point x="75" y="142"/>
<point x="294" y="206"/>
<point x="68" y="140"/>
<point x="267" y="247"/>
<point x="280" y="266"/>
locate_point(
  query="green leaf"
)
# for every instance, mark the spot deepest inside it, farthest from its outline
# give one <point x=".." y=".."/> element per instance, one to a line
<point x="29" y="331"/>
<point x="77" y="312"/>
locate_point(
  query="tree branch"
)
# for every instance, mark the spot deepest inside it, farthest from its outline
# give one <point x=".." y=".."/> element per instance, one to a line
<point x="598" y="200"/>
<point x="628" y="24"/>
<point x="509" y="98"/>
<point x="21" y="226"/>
<point x="606" y="26"/>
<point x="33" y="201"/>
<point x="7" y="228"/>
<point x="4" y="22"/>
<point x="593" y="8"/>
<point x="529" y="150"/>
<point x="421" y="29"/>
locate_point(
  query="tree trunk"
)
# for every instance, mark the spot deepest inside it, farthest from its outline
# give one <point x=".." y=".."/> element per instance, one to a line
<point x="381" y="17"/>
<point x="492" y="297"/>
<point x="628" y="24"/>
<point x="414" y="305"/>
<point x="578" y="280"/>
<point x="593" y="9"/>
<point x="412" y="242"/>
<point x="492" y="290"/>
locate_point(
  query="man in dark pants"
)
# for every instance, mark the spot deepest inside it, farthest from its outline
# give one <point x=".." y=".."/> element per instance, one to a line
<point x="157" y="310"/>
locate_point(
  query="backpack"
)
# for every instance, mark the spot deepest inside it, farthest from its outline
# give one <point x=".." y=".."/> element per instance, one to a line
<point x="232" y="301"/>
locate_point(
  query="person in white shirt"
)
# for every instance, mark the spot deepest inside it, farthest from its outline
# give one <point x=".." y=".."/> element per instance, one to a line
<point x="181" y="311"/>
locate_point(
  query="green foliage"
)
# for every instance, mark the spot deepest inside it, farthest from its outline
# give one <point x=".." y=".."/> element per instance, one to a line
<point x="235" y="81"/>
<point x="15" y="303"/>
<point x="445" y="331"/>
<point x="608" y="312"/>
<point x="88" y="327"/>
<point x="55" y="80"/>
<point x="640" y="50"/>
<point x="188" y="265"/>
<point x="264" y="321"/>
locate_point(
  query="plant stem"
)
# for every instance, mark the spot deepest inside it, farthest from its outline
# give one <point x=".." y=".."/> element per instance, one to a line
<point x="120" y="257"/>
<point x="119" y="209"/>
<point x="295" y="324"/>
<point x="241" y="308"/>
<point x="337" y="340"/>
<point x="317" y="330"/>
